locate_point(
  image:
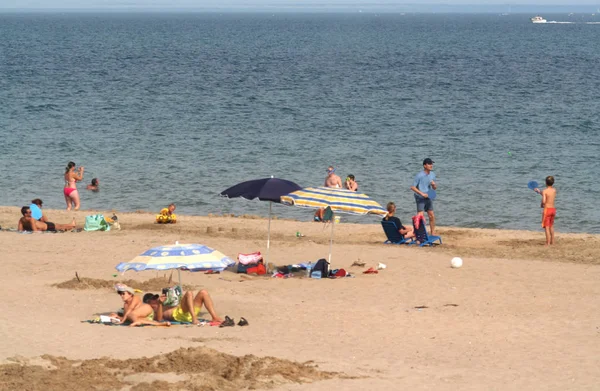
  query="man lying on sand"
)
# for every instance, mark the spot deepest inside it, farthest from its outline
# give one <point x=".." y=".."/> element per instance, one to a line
<point x="182" y="312"/>
<point x="28" y="223"/>
<point x="134" y="311"/>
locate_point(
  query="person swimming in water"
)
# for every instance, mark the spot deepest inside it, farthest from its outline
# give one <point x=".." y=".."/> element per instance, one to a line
<point x="70" y="190"/>
<point x="94" y="186"/>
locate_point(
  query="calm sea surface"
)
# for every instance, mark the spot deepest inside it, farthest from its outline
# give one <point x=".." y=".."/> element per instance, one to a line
<point x="178" y="107"/>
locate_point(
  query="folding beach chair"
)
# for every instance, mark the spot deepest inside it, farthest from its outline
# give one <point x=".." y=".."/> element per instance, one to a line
<point x="421" y="232"/>
<point x="392" y="233"/>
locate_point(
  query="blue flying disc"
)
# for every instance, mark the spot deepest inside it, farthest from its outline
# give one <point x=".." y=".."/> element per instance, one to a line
<point x="533" y="185"/>
<point x="431" y="194"/>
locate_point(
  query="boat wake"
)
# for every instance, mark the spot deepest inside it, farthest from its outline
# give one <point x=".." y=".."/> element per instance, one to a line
<point x="557" y="22"/>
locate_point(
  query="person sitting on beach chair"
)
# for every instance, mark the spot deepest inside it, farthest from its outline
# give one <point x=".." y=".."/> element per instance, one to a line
<point x="134" y="311"/>
<point x="323" y="215"/>
<point x="28" y="223"/>
<point x="186" y="311"/>
<point x="406" y="232"/>
<point x="167" y="215"/>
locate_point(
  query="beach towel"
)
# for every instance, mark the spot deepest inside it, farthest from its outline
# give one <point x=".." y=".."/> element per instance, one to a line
<point x="173" y="323"/>
<point x="96" y="223"/>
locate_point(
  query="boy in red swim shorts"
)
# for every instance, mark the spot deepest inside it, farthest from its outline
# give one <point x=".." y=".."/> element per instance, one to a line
<point x="548" y="197"/>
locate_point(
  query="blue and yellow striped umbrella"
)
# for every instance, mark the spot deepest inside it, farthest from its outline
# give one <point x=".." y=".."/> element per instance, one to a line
<point x="339" y="200"/>
<point x="192" y="257"/>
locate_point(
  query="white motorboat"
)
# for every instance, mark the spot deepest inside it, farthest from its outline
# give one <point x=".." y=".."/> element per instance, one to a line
<point x="538" y="19"/>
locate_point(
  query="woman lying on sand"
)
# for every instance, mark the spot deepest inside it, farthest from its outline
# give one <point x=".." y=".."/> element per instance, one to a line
<point x="134" y="311"/>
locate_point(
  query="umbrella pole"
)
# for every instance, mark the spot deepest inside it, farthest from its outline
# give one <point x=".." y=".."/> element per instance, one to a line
<point x="331" y="239"/>
<point x="269" y="234"/>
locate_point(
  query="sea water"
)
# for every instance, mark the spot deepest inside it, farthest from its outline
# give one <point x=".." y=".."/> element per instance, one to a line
<point x="177" y="107"/>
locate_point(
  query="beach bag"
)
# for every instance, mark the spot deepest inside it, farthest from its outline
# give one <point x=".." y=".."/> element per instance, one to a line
<point x="420" y="229"/>
<point x="250" y="259"/>
<point x="173" y="295"/>
<point x="321" y="268"/>
<point x="258" y="269"/>
<point x="96" y="223"/>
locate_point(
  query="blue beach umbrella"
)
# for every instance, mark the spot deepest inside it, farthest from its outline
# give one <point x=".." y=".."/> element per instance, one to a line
<point x="192" y="257"/>
<point x="266" y="189"/>
<point x="339" y="200"/>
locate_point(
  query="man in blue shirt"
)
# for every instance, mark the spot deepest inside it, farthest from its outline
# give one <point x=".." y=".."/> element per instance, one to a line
<point x="425" y="181"/>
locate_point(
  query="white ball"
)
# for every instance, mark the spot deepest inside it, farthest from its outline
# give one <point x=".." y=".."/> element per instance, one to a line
<point x="456" y="262"/>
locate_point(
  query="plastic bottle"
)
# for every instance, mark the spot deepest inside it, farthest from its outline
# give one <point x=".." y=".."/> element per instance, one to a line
<point x="308" y="270"/>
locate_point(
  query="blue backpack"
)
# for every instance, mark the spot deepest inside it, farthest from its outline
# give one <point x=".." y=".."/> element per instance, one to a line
<point x="322" y="267"/>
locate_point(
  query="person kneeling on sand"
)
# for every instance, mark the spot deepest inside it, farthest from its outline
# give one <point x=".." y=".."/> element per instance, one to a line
<point x="134" y="311"/>
<point x="182" y="312"/>
<point x="167" y="215"/>
<point x="28" y="223"/>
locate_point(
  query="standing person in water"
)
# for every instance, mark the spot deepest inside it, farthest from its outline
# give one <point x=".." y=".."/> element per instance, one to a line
<point x="72" y="176"/>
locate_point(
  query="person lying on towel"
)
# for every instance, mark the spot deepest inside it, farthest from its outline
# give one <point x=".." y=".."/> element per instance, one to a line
<point x="186" y="311"/>
<point x="135" y="312"/>
<point x="167" y="215"/>
<point x="28" y="223"/>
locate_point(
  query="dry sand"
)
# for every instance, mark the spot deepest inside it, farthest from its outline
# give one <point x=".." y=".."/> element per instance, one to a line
<point x="517" y="315"/>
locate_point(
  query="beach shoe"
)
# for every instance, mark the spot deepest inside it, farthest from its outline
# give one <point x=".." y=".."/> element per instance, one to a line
<point x="370" y="271"/>
<point x="243" y="322"/>
<point x="228" y="322"/>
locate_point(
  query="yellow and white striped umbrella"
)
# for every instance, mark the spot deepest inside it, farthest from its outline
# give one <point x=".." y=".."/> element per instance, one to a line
<point x="339" y="200"/>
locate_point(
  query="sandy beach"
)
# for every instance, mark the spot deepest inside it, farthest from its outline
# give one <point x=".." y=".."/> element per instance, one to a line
<point x="517" y="315"/>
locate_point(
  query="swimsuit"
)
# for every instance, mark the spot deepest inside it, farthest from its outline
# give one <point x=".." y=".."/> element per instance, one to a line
<point x="51" y="226"/>
<point x="185" y="317"/>
<point x="69" y="190"/>
<point x="548" y="217"/>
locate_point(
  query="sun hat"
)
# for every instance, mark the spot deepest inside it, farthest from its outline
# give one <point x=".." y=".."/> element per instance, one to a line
<point x="124" y="288"/>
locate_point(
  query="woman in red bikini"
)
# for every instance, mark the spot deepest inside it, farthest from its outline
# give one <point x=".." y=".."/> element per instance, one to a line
<point x="70" y="190"/>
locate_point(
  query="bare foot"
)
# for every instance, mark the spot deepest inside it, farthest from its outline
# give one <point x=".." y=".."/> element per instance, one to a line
<point x="217" y="319"/>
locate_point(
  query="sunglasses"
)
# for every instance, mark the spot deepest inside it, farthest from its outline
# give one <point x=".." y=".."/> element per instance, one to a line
<point x="121" y="293"/>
